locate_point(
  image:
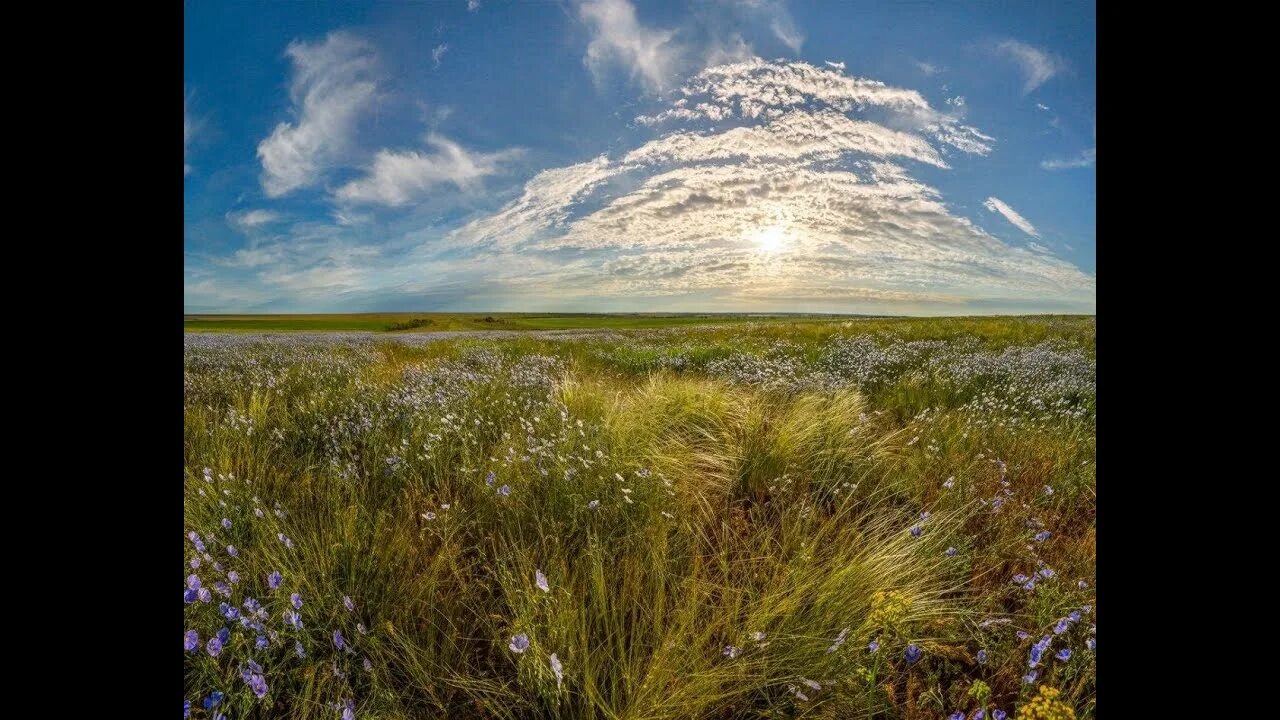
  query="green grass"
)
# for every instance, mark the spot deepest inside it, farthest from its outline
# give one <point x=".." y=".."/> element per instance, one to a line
<point x="384" y="322"/>
<point x="760" y="478"/>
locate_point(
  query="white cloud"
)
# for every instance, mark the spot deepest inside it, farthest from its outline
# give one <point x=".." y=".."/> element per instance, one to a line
<point x="928" y="69"/>
<point x="1042" y="106"/>
<point x="250" y="219"/>
<point x="398" y="178"/>
<point x="836" y="65"/>
<point x="1087" y="158"/>
<point x="438" y="52"/>
<point x="333" y="84"/>
<point x="473" y="5"/>
<point x="802" y="192"/>
<point x="996" y="205"/>
<point x="618" y="38"/>
<point x="786" y="31"/>
<point x="1037" y="65"/>
<point x="190" y="126"/>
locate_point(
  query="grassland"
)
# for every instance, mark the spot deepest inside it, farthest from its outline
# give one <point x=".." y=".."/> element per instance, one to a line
<point x="836" y="519"/>
<point x="432" y="322"/>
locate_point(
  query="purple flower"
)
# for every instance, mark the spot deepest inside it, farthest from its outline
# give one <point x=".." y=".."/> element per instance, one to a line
<point x="505" y="490"/>
<point x="232" y="551"/>
<point x="1047" y="572"/>
<point x="1036" y="653"/>
<point x="731" y="652"/>
<point x="296" y="600"/>
<point x="190" y="640"/>
<point x="186" y="708"/>
<point x="1043" y="535"/>
<point x="835" y="644"/>
<point x="924" y="515"/>
<point x="349" y="710"/>
<point x="195" y="563"/>
<point x="914" y="653"/>
<point x="1091" y="643"/>
<point x="212" y="701"/>
<point x="1064" y="654"/>
<point x="204" y="595"/>
<point x="193" y="582"/>
<point x="214" y="647"/>
<point x="951" y="552"/>
<point x="284" y="539"/>
<point x="519" y="643"/>
<point x="339" y="641"/>
<point x="346" y="601"/>
<point x="1082" y="585"/>
<point x="188" y="596"/>
<point x="982" y="657"/>
<point x="234" y="577"/>
<point x="195" y="540"/>
<point x="226" y="524"/>
<point x="252" y="605"/>
<point x="541" y="581"/>
<point x="593" y="504"/>
<point x="1030" y="677"/>
<point x="1074" y="616"/>
<point x="228" y="612"/>
<point x="1062" y="626"/>
<point x="297" y="648"/>
<point x="293" y="619"/>
<point x="489" y="478"/>
<point x="1019" y="578"/>
<point x="1022" y="635"/>
<point x="273" y="580"/>
<point x="223" y="589"/>
<point x="957" y="715"/>
<point x="916" y="530"/>
<point x="999" y="715"/>
<point x="259" y="686"/>
<point x="978" y="714"/>
<point x="873" y="646"/>
<point x="261" y="642"/>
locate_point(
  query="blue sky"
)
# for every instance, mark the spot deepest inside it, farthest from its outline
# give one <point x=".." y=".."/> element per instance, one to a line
<point x="621" y="155"/>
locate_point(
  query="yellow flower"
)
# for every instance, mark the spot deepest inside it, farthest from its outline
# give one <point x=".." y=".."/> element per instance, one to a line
<point x="888" y="609"/>
<point x="1046" y="706"/>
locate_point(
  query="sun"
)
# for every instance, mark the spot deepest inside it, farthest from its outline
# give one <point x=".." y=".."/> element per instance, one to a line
<point x="771" y="240"/>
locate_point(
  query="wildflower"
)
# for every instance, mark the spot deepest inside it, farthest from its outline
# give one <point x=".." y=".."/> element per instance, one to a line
<point x="913" y="654"/>
<point x="195" y="563"/>
<point x="758" y="636"/>
<point x="915" y="531"/>
<point x="346" y="601"/>
<point x="950" y="482"/>
<point x="224" y="635"/>
<point x="835" y="644"/>
<point x="186" y="708"/>
<point x="1043" y="535"/>
<point x="1091" y="643"/>
<point x="1074" y="616"/>
<point x="223" y="589"/>
<point x="259" y="686"/>
<point x="1048" y="490"/>
<point x="731" y="652"/>
<point x="1036" y="653"/>
<point x="1022" y="635"/>
<point x="978" y="714"/>
<point x="541" y="581"/>
<point x="258" y="512"/>
<point x="212" y="701"/>
<point x="261" y="642"/>
<point x="1086" y="609"/>
<point x="1030" y="677"/>
<point x="982" y="657"/>
<point x="349" y="712"/>
<point x="999" y="715"/>
<point x="873" y="647"/>
<point x="593" y="504"/>
<point x="214" y="647"/>
<point x="252" y="605"/>
<point x="339" y="641"/>
<point x="1082" y="584"/>
<point x="195" y="540"/>
<point x="429" y="515"/>
<point x="1064" y="654"/>
<point x="232" y="551"/>
<point x="951" y="552"/>
<point x="505" y="490"/>
<point x="519" y="643"/>
<point x="228" y="612"/>
<point x="957" y="715"/>
<point x="234" y="577"/>
<point x="273" y="580"/>
<point x="811" y="683"/>
<point x="296" y="600"/>
<point x="1047" y="572"/>
<point x="924" y="515"/>
<point x="193" y="582"/>
<point x="190" y="640"/>
<point x="297" y="648"/>
<point x="1062" y="626"/>
<point x="204" y="595"/>
<point x="368" y="666"/>
<point x="188" y="596"/>
<point x="489" y="478"/>
<point x="226" y="524"/>
<point x="557" y="668"/>
<point x="360" y="629"/>
<point x="1020" y="578"/>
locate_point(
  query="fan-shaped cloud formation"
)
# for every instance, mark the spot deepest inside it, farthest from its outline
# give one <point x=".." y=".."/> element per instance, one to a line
<point x="770" y="180"/>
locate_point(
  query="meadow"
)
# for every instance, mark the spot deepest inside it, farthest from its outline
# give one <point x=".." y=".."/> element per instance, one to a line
<point x="453" y="322"/>
<point x="852" y="518"/>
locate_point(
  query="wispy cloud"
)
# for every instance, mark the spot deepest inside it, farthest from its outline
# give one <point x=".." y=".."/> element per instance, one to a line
<point x="996" y="205"/>
<point x="333" y="84"/>
<point x="619" y="39"/>
<point x="190" y="126"/>
<point x="1086" y="158"/>
<point x="399" y="178"/>
<point x="928" y="69"/>
<point x="249" y="219"/>
<point x="1037" y="65"/>
<point x="438" y="52"/>
<point x="473" y="5"/>
<point x="836" y="65"/>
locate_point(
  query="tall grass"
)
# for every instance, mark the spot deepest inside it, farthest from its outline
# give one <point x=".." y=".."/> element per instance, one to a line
<point x="713" y="545"/>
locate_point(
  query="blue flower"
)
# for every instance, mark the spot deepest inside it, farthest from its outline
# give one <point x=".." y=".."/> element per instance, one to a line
<point x="541" y="581"/>
<point x="999" y="715"/>
<point x="519" y="643"/>
<point x="259" y="686"/>
<point x="190" y="640"/>
<point x="234" y="577"/>
<point x="232" y="551"/>
<point x="1047" y="572"/>
<point x="261" y="642"/>
<point x="873" y="647"/>
<point x="195" y="563"/>
<point x="731" y="652"/>
<point x="1062" y="626"/>
<point x="835" y="644"/>
<point x="489" y="478"/>
<point x="226" y="524"/>
<point x="224" y="635"/>
<point x="349" y="710"/>
<point x="293" y="619"/>
<point x="913" y="654"/>
<point x="1043" y="535"/>
<point x="273" y="580"/>
<point x="214" y="647"/>
<point x="186" y="708"/>
<point x="978" y="714"/>
<point x="1022" y="635"/>
<point x="1030" y="677"/>
<point x="1091" y="643"/>
<point x="982" y="657"/>
<point x="1036" y="653"/>
<point x="296" y="600"/>
<point x="505" y="490"/>
<point x="916" y="530"/>
<point x="951" y="552"/>
<point x="228" y="612"/>
<point x="193" y="582"/>
<point x="223" y="589"/>
<point x="1064" y="654"/>
<point x="189" y="596"/>
<point x="212" y="701"/>
<point x="195" y="540"/>
<point x="957" y="715"/>
<point x="1020" y="578"/>
<point x="297" y="648"/>
<point x="339" y="641"/>
<point x="1074" y="616"/>
<point x="346" y="601"/>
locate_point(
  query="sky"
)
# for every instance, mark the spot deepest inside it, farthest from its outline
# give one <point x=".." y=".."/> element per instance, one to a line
<point x="629" y="156"/>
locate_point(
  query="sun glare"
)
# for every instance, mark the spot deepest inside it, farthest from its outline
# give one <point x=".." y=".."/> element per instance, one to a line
<point x="771" y="240"/>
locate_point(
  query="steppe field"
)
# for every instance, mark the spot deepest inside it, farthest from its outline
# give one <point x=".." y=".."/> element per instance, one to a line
<point x="640" y="519"/>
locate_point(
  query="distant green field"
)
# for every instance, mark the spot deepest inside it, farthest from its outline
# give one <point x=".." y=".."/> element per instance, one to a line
<point x="431" y="322"/>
